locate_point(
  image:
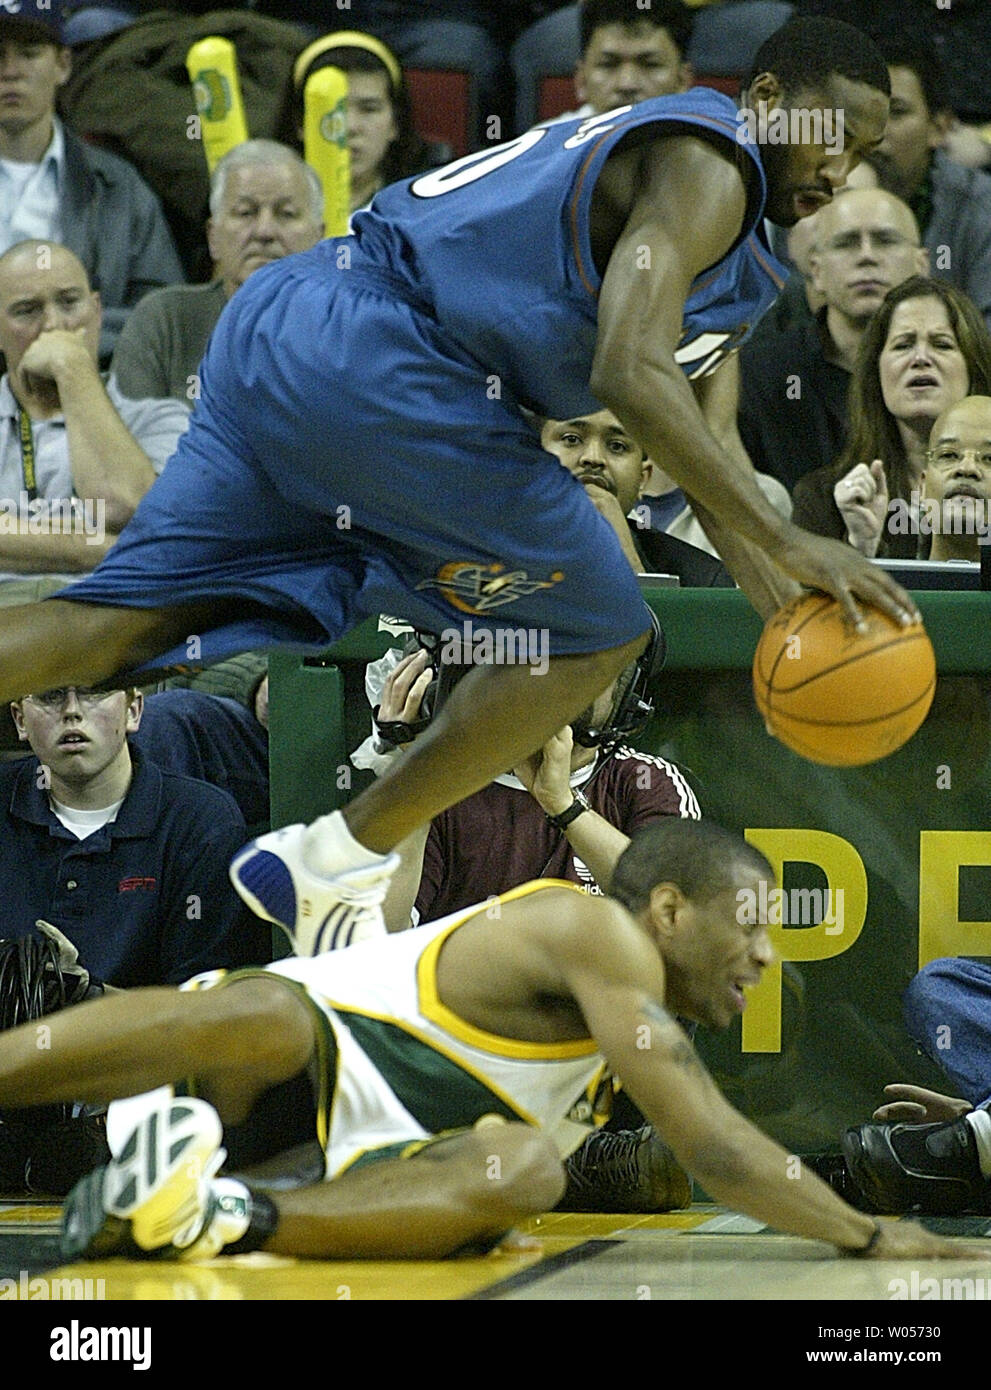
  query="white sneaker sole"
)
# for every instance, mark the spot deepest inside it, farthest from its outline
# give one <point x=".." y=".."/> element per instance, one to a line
<point x="157" y="1182"/>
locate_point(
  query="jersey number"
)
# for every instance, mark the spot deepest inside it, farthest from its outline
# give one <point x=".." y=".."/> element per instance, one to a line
<point x="473" y="166"/>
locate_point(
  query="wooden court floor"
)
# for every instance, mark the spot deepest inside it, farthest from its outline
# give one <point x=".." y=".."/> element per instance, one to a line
<point x="705" y="1253"/>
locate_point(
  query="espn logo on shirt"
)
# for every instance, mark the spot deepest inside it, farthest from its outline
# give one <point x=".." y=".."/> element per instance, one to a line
<point x="136" y="883"/>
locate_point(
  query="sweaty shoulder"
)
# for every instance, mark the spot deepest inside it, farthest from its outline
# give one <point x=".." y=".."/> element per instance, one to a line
<point x="684" y="178"/>
<point x="551" y="934"/>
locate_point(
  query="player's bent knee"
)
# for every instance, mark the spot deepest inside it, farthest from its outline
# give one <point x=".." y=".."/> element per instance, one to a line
<point x="265" y="1023"/>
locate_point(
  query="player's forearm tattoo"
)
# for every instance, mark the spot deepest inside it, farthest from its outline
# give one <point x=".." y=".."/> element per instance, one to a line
<point x="656" y="1012"/>
<point x="680" y="1051"/>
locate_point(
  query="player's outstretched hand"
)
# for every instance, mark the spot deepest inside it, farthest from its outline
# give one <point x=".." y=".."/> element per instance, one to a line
<point x="833" y="567"/>
<point x="914" y="1105"/>
<point x="906" y="1240"/>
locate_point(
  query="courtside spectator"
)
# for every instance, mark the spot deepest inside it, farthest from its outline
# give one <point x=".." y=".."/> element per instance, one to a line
<point x="950" y="509"/>
<point x="467" y="36"/>
<point x="952" y="204"/>
<point x="76" y="457"/>
<point x="56" y="187"/>
<point x="629" y="54"/>
<point x="956" y="486"/>
<point x="265" y="203"/>
<point x="657" y="528"/>
<point x="925" y="349"/>
<point x="127" y="861"/>
<point x="567" y="812"/>
<point x="383" y="143"/>
<point x="795" y="379"/>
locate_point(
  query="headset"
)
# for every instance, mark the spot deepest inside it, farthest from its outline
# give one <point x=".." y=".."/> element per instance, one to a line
<point x="633" y="701"/>
<point x="632" y="705"/>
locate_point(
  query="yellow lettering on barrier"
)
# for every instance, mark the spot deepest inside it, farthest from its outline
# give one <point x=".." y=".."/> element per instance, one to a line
<point x="941" y="933"/>
<point x="803" y="923"/>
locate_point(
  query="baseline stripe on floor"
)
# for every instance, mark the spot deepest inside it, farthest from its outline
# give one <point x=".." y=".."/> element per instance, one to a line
<point x="553" y="1264"/>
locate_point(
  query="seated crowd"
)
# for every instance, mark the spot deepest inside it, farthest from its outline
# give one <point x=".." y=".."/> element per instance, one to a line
<point x="863" y="402"/>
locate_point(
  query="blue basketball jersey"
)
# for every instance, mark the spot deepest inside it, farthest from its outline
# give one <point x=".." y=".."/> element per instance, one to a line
<point x="497" y="247"/>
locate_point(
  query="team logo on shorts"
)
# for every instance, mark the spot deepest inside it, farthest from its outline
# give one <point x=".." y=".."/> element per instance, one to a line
<point x="474" y="588"/>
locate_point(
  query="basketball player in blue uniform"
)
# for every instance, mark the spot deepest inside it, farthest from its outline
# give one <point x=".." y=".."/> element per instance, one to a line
<point x="360" y="444"/>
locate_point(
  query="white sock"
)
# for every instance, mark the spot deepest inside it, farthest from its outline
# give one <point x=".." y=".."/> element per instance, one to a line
<point x="330" y="849"/>
<point x="980" y="1123"/>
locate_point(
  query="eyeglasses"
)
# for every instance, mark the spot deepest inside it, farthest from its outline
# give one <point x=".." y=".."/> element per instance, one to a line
<point x="948" y="455"/>
<point x="87" y="697"/>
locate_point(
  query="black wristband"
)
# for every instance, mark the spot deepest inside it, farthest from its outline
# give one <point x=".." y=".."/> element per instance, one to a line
<point x="263" y="1220"/>
<point x="866" y="1249"/>
<point x="397" y="731"/>
<point x="576" y="808"/>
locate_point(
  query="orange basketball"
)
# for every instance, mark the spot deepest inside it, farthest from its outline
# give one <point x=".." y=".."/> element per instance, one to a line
<point x="838" y="696"/>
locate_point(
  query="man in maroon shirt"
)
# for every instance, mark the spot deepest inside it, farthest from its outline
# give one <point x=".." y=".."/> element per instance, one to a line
<point x="568" y="812"/>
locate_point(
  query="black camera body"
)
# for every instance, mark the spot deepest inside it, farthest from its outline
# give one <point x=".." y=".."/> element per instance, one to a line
<point x="633" y="703"/>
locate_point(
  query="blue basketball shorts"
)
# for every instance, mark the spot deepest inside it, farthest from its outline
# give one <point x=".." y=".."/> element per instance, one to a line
<point x="346" y="459"/>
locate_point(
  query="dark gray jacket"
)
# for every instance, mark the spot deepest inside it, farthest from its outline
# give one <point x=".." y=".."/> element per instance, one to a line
<point x="958" y="236"/>
<point x="115" y="225"/>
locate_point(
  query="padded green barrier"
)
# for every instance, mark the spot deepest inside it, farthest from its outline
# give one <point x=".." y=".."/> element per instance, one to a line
<point x="883" y="867"/>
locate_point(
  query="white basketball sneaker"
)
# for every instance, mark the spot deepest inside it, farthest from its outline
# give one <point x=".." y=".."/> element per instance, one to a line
<point x="318" y="912"/>
<point x="154" y="1195"/>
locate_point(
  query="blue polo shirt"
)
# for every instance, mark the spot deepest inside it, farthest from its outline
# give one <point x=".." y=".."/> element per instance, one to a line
<point x="213" y="739"/>
<point x="145" y="899"/>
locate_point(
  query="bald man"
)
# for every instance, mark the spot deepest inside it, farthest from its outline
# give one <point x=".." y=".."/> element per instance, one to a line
<point x="793" y="413"/>
<point x="866" y="243"/>
<point x="956" y="485"/>
<point x="75" y="456"/>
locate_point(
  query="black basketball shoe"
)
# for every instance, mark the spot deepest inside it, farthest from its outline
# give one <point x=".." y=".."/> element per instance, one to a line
<point x="930" y="1169"/>
<point x="631" y="1170"/>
